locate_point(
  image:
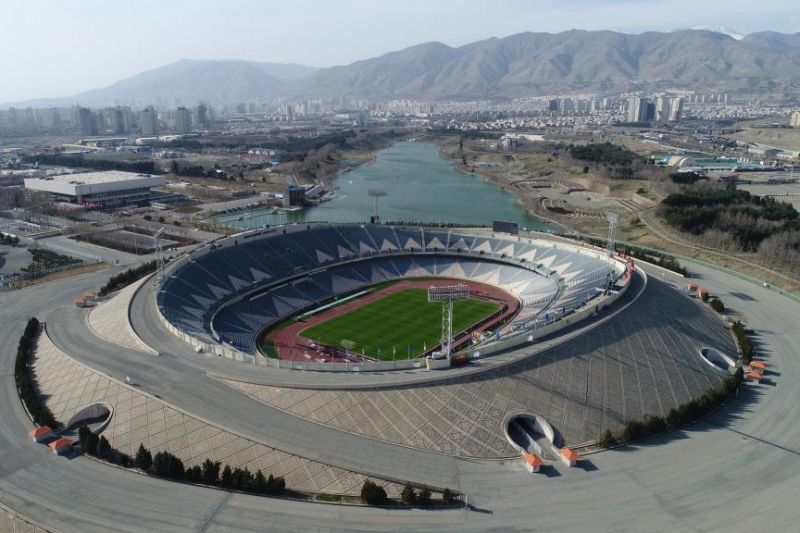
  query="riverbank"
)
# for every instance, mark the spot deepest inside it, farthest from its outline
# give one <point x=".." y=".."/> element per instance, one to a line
<point x="531" y="178"/>
<point x="532" y="206"/>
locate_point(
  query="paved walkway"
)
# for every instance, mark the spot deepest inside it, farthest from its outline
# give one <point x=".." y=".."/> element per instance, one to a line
<point x="644" y="361"/>
<point x="142" y="419"/>
<point x="685" y="481"/>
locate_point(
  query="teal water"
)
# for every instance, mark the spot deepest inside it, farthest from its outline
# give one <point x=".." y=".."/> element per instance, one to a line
<point x="420" y="187"/>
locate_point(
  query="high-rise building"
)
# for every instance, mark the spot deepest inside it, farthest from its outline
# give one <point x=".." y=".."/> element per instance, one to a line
<point x="662" y="109"/>
<point x="86" y="121"/>
<point x="637" y="109"/>
<point x="675" y="109"/>
<point x="148" y="121"/>
<point x="794" y="119"/>
<point x="669" y="108"/>
<point x="650" y="112"/>
<point x="183" y="120"/>
<point x="202" y="116"/>
<point x="120" y="120"/>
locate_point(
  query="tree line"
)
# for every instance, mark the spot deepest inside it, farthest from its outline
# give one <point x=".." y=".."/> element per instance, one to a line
<point x="24" y="379"/>
<point x="124" y="279"/>
<point x="167" y="465"/>
<point x="9" y="240"/>
<point x="651" y="256"/>
<point x="141" y="167"/>
<point x="608" y="153"/>
<point x="678" y="416"/>
<point x="747" y="219"/>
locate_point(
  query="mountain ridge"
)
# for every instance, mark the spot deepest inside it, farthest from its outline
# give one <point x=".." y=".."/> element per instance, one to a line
<point x="523" y="64"/>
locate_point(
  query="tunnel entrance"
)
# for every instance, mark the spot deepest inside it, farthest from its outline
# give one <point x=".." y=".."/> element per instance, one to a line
<point x="532" y="434"/>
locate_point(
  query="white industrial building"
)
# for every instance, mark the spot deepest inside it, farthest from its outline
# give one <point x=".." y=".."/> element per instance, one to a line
<point x="98" y="189"/>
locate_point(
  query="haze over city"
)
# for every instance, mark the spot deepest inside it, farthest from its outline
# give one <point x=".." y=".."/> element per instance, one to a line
<point x="57" y="49"/>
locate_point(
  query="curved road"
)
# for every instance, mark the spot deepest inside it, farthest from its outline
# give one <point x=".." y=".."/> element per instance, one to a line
<point x="738" y="470"/>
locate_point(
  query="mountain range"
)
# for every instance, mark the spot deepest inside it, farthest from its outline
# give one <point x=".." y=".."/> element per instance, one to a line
<point x="519" y="65"/>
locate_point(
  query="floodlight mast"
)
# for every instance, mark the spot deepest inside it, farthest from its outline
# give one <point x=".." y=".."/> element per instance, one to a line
<point x="376" y="194"/>
<point x="447" y="294"/>
<point x="159" y="255"/>
<point x="612" y="219"/>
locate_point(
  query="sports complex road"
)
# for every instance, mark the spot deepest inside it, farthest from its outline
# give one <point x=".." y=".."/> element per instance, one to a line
<point x="738" y="470"/>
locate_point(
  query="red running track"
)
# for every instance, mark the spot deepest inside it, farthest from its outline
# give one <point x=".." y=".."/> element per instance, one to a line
<point x="290" y="345"/>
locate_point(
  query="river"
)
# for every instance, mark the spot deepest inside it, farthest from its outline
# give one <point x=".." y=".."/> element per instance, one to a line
<point x="420" y="187"/>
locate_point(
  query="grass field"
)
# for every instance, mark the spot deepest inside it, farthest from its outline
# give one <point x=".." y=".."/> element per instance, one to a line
<point x="395" y="322"/>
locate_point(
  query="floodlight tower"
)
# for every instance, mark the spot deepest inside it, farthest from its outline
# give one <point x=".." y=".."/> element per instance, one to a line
<point x="159" y="256"/>
<point x="376" y="193"/>
<point x="612" y="219"/>
<point x="447" y="294"/>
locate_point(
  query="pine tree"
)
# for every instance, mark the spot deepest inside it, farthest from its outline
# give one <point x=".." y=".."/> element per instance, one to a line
<point x="227" y="477"/>
<point x="144" y="460"/>
<point x="260" y="483"/>
<point x="103" y="448"/>
<point x="210" y="472"/>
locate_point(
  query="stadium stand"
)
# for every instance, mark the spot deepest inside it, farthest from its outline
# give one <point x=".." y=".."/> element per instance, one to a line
<point x="237" y="287"/>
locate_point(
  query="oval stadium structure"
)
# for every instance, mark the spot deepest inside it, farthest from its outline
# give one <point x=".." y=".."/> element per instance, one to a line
<point x="231" y="291"/>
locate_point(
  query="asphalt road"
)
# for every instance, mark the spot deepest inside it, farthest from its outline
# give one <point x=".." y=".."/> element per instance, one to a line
<point x="738" y="470"/>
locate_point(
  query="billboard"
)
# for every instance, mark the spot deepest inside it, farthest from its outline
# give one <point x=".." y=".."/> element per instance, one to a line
<point x="501" y="226"/>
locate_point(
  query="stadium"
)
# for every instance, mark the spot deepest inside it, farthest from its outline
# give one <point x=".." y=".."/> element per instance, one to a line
<point x="466" y="361"/>
<point x="378" y="298"/>
<point x="227" y="296"/>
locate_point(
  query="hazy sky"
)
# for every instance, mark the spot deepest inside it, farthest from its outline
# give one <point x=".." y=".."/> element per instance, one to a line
<point x="52" y="48"/>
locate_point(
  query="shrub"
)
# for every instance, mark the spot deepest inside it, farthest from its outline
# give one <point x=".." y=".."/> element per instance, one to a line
<point x="607" y="439"/>
<point x="167" y="465"/>
<point x="633" y="430"/>
<point x="717" y="305"/>
<point x="448" y="497"/>
<point x="424" y="497"/>
<point x="654" y="425"/>
<point x="372" y="494"/>
<point x="743" y="339"/>
<point x="675" y="417"/>
<point x="408" y="496"/>
<point x="704" y="296"/>
<point x="144" y="460"/>
<point x="194" y="474"/>
<point x="242" y="479"/>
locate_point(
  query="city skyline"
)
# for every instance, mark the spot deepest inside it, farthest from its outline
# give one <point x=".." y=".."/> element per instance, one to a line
<point x="59" y="58"/>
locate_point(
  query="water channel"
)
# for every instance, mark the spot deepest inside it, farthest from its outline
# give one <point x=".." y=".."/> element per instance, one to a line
<point x="420" y="187"/>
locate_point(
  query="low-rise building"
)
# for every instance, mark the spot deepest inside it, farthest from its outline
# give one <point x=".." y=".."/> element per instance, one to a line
<point x="96" y="190"/>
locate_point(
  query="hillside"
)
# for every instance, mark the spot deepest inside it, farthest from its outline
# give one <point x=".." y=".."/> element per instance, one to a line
<point x="189" y="81"/>
<point x="543" y="63"/>
<point x="765" y="63"/>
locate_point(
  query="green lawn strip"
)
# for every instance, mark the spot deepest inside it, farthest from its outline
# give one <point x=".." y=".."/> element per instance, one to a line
<point x="397" y="320"/>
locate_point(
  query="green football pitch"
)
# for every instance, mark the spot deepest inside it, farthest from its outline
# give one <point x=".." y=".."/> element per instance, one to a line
<point x="387" y="327"/>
